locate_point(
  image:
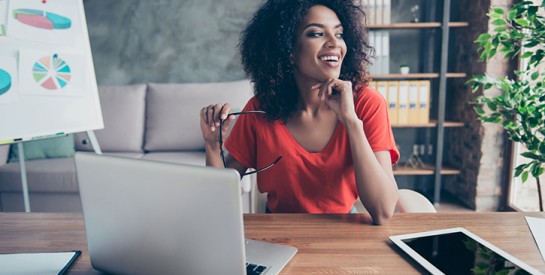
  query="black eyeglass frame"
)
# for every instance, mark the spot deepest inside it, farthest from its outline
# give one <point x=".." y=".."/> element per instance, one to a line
<point x="222" y="154"/>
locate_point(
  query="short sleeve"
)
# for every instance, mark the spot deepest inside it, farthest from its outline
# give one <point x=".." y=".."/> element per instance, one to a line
<point x="241" y="142"/>
<point x="371" y="108"/>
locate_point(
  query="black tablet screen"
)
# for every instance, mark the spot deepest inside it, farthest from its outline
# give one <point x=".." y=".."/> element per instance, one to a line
<point x="457" y="253"/>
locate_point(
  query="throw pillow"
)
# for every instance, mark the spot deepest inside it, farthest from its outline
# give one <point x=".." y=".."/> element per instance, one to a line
<point x="60" y="147"/>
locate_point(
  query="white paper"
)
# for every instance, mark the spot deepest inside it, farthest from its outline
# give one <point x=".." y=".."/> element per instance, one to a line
<point x="67" y="79"/>
<point x="3" y="16"/>
<point x="8" y="86"/>
<point x="34" y="263"/>
<point x="54" y="22"/>
<point x="537" y="227"/>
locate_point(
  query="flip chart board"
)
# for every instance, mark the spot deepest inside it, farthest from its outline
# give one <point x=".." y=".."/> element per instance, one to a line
<point x="47" y="78"/>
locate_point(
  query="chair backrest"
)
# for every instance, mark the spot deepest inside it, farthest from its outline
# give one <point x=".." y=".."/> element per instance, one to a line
<point x="410" y="201"/>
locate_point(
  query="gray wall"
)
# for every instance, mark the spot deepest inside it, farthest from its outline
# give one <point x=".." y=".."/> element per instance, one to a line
<point x="166" y="40"/>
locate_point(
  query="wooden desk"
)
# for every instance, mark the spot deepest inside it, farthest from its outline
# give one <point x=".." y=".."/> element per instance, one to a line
<point x="328" y="244"/>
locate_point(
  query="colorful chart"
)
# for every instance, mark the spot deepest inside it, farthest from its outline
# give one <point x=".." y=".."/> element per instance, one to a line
<point x="51" y="72"/>
<point x="41" y="19"/>
<point x="5" y="82"/>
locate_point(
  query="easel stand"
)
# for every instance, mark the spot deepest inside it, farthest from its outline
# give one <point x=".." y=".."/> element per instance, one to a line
<point x="24" y="183"/>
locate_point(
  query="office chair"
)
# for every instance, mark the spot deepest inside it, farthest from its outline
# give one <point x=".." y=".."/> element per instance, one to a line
<point x="410" y="201"/>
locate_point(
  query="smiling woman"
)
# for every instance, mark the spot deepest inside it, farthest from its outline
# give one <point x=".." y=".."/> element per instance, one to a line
<point x="308" y="60"/>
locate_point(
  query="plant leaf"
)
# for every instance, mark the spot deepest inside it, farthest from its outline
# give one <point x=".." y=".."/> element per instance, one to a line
<point x="512" y="14"/>
<point x="498" y="10"/>
<point x="526" y="54"/>
<point x="479" y="110"/>
<point x="524" y="176"/>
<point x="536" y="167"/>
<point x="521" y="21"/>
<point x="501" y="22"/>
<point x="530" y="155"/>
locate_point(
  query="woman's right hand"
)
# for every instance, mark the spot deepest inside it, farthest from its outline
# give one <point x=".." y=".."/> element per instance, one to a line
<point x="210" y="122"/>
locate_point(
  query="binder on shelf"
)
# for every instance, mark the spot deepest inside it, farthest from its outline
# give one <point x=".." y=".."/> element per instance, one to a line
<point x="372" y="42"/>
<point x="413" y="102"/>
<point x="382" y="88"/>
<point x="380" y="40"/>
<point x="403" y="103"/>
<point x="393" y="87"/>
<point x="371" y="12"/>
<point x="385" y="59"/>
<point x="378" y="52"/>
<point x="424" y="101"/>
<point x="378" y="12"/>
<point x="387" y="12"/>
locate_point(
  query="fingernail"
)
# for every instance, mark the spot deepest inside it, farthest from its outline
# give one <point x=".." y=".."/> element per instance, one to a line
<point x="217" y="124"/>
<point x="223" y="116"/>
<point x="212" y="129"/>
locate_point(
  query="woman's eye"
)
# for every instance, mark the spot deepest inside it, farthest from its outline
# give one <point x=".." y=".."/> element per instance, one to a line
<point x="315" y="34"/>
<point x="339" y="35"/>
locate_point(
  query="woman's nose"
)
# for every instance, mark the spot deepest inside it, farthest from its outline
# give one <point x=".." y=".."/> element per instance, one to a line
<point x="332" y="42"/>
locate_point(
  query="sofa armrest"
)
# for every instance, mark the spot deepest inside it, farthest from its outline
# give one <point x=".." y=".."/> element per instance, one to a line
<point x="4" y="152"/>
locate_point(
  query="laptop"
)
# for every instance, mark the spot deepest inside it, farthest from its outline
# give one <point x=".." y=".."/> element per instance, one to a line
<point x="149" y="217"/>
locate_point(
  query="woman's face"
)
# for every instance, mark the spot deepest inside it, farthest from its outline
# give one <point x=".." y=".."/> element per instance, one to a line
<point x="320" y="48"/>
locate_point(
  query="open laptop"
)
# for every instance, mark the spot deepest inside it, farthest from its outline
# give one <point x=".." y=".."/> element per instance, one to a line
<point x="148" y="217"/>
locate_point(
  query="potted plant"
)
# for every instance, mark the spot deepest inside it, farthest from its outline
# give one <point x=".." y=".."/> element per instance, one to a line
<point x="519" y="32"/>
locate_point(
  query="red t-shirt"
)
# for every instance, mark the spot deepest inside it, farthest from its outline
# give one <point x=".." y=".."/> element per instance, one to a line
<point x="304" y="182"/>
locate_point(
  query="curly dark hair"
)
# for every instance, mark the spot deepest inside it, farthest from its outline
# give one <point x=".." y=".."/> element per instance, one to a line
<point x="267" y="43"/>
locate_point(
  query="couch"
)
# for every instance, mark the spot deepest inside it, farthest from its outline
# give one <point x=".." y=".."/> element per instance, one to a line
<point x="147" y="121"/>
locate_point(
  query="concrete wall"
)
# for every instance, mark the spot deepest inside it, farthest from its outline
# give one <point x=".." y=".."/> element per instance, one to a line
<point x="166" y="40"/>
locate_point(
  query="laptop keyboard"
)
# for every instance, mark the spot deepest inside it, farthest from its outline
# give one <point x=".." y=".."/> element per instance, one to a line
<point x="254" y="269"/>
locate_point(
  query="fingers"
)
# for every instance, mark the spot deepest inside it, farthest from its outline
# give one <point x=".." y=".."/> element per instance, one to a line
<point x="332" y="87"/>
<point x="211" y="115"/>
<point x="325" y="89"/>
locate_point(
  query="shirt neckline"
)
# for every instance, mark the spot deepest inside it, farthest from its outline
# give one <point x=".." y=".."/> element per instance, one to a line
<point x="301" y="149"/>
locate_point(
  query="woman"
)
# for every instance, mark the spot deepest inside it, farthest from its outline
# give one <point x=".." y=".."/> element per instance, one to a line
<point x="308" y="60"/>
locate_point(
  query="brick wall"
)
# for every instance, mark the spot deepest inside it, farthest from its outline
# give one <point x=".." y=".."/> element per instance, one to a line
<point x="478" y="148"/>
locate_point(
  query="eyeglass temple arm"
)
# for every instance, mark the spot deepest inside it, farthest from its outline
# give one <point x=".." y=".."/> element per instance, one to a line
<point x="221" y="138"/>
<point x="264" y="168"/>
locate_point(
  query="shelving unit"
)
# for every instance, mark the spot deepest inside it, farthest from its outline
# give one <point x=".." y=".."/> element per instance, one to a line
<point x="431" y="124"/>
<point x="436" y="168"/>
<point x="424" y="25"/>
<point x="417" y="75"/>
<point x="427" y="170"/>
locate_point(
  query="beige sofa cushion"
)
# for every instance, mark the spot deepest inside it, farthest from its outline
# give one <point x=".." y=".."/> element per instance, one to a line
<point x="123" y="109"/>
<point x="173" y="111"/>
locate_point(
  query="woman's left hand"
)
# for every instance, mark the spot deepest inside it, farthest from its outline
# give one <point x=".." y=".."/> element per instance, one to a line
<point x="338" y="96"/>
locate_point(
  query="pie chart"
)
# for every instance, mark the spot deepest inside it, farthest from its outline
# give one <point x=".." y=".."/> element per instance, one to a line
<point x="42" y="19"/>
<point x="5" y="82"/>
<point x="51" y="72"/>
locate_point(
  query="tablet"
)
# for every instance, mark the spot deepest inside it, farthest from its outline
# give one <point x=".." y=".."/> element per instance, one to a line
<point x="458" y="251"/>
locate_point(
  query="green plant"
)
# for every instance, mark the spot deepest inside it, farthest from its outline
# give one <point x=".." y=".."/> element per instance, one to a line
<point x="519" y="32"/>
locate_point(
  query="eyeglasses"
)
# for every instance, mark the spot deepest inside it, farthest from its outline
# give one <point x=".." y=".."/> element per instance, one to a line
<point x="221" y="143"/>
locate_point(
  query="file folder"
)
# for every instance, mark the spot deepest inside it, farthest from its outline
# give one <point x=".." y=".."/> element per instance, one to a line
<point x="392" y="101"/>
<point x="382" y="88"/>
<point x="423" y="101"/>
<point x="403" y="103"/>
<point x="413" y="102"/>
